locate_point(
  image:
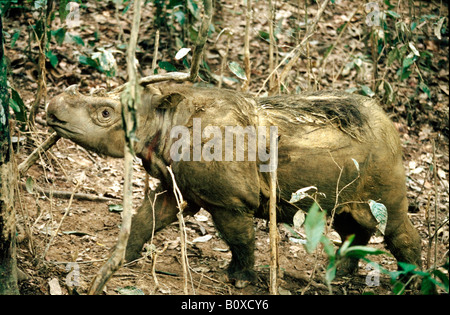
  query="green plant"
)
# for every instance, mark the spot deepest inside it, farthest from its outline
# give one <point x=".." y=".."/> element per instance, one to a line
<point x="314" y="225"/>
<point x="314" y="228"/>
<point x="396" y="39"/>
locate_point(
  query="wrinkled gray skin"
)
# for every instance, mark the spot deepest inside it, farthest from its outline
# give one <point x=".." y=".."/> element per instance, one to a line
<point x="319" y="134"/>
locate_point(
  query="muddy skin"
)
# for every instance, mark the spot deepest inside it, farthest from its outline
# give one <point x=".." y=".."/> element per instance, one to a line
<point x="318" y="136"/>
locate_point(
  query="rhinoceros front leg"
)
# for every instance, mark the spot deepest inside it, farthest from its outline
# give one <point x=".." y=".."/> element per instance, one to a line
<point x="236" y="229"/>
<point x="142" y="225"/>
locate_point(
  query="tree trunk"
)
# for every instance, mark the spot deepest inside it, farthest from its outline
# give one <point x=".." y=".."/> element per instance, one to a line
<point x="8" y="263"/>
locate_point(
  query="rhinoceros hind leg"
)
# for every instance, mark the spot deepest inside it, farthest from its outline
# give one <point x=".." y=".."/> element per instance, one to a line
<point x="346" y="225"/>
<point x="401" y="237"/>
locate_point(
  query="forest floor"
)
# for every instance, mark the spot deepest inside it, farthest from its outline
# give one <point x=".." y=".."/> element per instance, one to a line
<point x="89" y="229"/>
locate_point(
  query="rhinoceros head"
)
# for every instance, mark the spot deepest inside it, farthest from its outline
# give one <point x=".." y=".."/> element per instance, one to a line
<point x="94" y="122"/>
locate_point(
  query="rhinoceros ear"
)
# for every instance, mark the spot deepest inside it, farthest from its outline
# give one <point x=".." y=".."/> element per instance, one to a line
<point x="167" y="101"/>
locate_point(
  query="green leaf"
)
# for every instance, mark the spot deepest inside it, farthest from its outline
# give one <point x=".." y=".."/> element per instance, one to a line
<point x="59" y="35"/>
<point x="19" y="107"/>
<point x="379" y="211"/>
<point x="409" y="60"/>
<point x="393" y="14"/>
<point x="330" y="273"/>
<point x="405" y="267"/>
<point x="343" y="249"/>
<point x="130" y="290"/>
<point x="193" y="8"/>
<point x="367" y="91"/>
<point x="63" y="11"/>
<point x="425" y="88"/>
<point x="314" y="227"/>
<point x="29" y="184"/>
<point x="428" y="287"/>
<point x="14" y="105"/>
<point x="328" y="247"/>
<point x="15" y="37"/>
<point x="84" y="60"/>
<point x="237" y="70"/>
<point x="443" y="277"/>
<point x="362" y="251"/>
<point x="167" y="66"/>
<point x="393" y="55"/>
<point x="77" y="39"/>
<point x="264" y="35"/>
<point x="398" y="288"/>
<point x="179" y="17"/>
<point x="115" y="208"/>
<point x="404" y="74"/>
<point x="52" y="57"/>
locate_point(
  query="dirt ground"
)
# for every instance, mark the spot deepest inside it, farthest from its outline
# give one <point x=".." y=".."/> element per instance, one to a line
<point x="87" y="230"/>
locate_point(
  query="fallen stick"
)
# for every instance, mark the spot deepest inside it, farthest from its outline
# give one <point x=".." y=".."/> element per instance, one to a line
<point x="67" y="195"/>
<point x="34" y="156"/>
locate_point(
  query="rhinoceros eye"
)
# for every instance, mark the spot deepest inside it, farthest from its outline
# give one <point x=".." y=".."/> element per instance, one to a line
<point x="104" y="115"/>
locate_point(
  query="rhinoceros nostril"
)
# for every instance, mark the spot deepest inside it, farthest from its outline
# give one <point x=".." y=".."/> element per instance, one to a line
<point x="51" y="118"/>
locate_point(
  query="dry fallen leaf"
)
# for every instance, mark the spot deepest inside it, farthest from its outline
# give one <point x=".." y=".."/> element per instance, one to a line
<point x="55" y="288"/>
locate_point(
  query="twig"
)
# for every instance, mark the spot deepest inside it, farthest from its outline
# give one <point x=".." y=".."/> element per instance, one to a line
<point x="62" y="219"/>
<point x="181" y="205"/>
<point x="247" y="63"/>
<point x="42" y="85"/>
<point x="201" y="39"/>
<point x="324" y="63"/>
<point x="117" y="257"/>
<point x="271" y="46"/>
<point x="273" y="234"/>
<point x="155" y="52"/>
<point x="228" y="33"/>
<point x="198" y="50"/>
<point x="154" y="63"/>
<point x="436" y="201"/>
<point x="298" y="50"/>
<point x="33" y="157"/>
<point x="66" y="195"/>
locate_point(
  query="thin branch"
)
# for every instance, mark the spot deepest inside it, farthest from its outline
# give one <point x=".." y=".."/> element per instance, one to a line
<point x="201" y="39"/>
<point x="273" y="234"/>
<point x="132" y="98"/>
<point x="181" y="206"/>
<point x="34" y="156"/>
<point x="198" y="53"/>
<point x="271" y="46"/>
<point x="298" y="50"/>
<point x="62" y="219"/>
<point x="247" y="63"/>
<point x="67" y="195"/>
<point x="324" y="62"/>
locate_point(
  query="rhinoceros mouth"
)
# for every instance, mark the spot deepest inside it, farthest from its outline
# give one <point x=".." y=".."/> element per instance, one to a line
<point x="60" y="126"/>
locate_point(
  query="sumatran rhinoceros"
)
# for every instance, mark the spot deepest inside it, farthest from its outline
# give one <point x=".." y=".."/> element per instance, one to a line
<point x="222" y="144"/>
